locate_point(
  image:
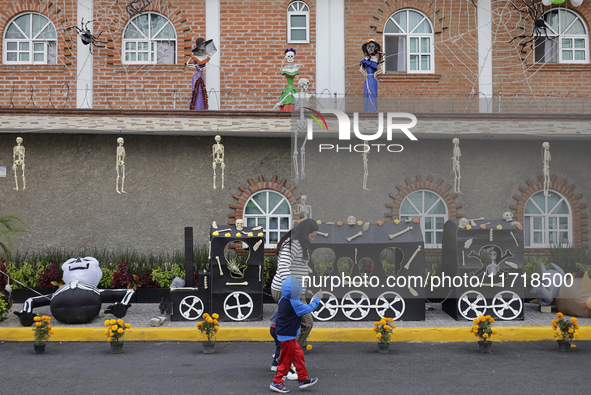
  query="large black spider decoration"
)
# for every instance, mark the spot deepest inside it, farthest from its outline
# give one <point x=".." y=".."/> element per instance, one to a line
<point x="136" y="6"/>
<point x="533" y="12"/>
<point x="86" y="35"/>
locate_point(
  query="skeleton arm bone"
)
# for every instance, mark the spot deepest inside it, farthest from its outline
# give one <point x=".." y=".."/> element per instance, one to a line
<point x="281" y="102"/>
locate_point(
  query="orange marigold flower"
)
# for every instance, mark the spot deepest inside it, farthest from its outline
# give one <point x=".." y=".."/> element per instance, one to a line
<point x="38" y="323"/>
<point x="108" y="323"/>
<point x="483" y="226"/>
<point x="485" y="335"/>
<point x="375" y="329"/>
<point x="215" y="316"/>
<point x="37" y="318"/>
<point x="573" y="319"/>
<point x="309" y="347"/>
<point x="482" y="318"/>
<point x="390" y="319"/>
<point x="113" y="322"/>
<point x="494" y="332"/>
<point x="120" y="321"/>
<point x="571" y="330"/>
<point x="120" y="330"/>
<point x="559" y="315"/>
<point x="476" y="320"/>
<point x="380" y="223"/>
<point x="378" y="336"/>
<point x="573" y="346"/>
<point x="576" y="335"/>
<point x="556" y="335"/>
<point x="339" y="223"/>
<point x="416" y="220"/>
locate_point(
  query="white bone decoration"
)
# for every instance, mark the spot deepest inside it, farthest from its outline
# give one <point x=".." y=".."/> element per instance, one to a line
<point x="355" y="236"/>
<point x="217" y="258"/>
<point x="218" y="159"/>
<point x="257" y="245"/>
<point x="514" y="238"/>
<point x="468" y="243"/>
<point x="322" y="234"/>
<point x="120" y="164"/>
<point x="456" y="164"/>
<point x="412" y="291"/>
<point x="546" y="169"/>
<point x="401" y="232"/>
<point x="18" y="159"/>
<point x="243" y="283"/>
<point x="412" y="257"/>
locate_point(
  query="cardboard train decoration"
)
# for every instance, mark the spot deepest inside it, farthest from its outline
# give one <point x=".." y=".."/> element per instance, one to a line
<point x="233" y="284"/>
<point x="490" y="255"/>
<point x="352" y="250"/>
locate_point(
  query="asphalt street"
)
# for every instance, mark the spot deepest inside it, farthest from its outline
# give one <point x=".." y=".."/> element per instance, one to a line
<point x="342" y="368"/>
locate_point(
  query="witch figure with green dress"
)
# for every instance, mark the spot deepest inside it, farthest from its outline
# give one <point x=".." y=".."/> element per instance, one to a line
<point x="290" y="70"/>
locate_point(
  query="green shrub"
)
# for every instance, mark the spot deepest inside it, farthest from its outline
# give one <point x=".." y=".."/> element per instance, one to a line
<point x="107" y="279"/>
<point x="24" y="275"/>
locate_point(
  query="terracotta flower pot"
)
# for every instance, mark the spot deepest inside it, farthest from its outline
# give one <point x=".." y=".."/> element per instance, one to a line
<point x="383" y="348"/>
<point x="39" y="348"/>
<point x="116" y="347"/>
<point x="563" y="346"/>
<point x="208" y="347"/>
<point x="485" y="346"/>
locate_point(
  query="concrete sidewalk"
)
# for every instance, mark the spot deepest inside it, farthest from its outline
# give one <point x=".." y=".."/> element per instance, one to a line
<point x="437" y="327"/>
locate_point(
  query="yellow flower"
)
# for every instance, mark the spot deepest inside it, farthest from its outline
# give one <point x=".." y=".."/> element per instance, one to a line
<point x="215" y="316"/>
<point x="573" y="346"/>
<point x="396" y="221"/>
<point x="49" y="327"/>
<point x="319" y="222"/>
<point x="120" y="321"/>
<point x="359" y="222"/>
<point x="113" y="322"/>
<point x="494" y="332"/>
<point x="37" y="318"/>
<point x="260" y="234"/>
<point x="576" y="326"/>
<point x="127" y="326"/>
<point x="51" y="332"/>
<point x="217" y="328"/>
<point x="377" y="323"/>
<point x="475" y="328"/>
<point x="468" y="227"/>
<point x="108" y="323"/>
<point x="375" y="329"/>
<point x="554" y="323"/>
<point x="120" y="330"/>
<point x="482" y="318"/>
<point x="205" y="315"/>
<point x="378" y="336"/>
<point x="559" y="315"/>
<point x="386" y="327"/>
<point x="488" y="317"/>
<point x="393" y="326"/>
<point x="485" y="335"/>
<point x="383" y="321"/>
<point x="216" y="233"/>
<point x="227" y="235"/>
<point x="476" y="320"/>
<point x="106" y="332"/>
<point x="554" y="327"/>
<point x="309" y="347"/>
<point x="209" y="320"/>
<point x="556" y="335"/>
<point x="499" y="227"/>
<point x="199" y="324"/>
<point x="114" y="327"/>
<point x="571" y="330"/>
<point x="38" y="323"/>
<point x="576" y="335"/>
<point x="215" y="322"/>
<point x="238" y="234"/>
<point x="573" y="319"/>
<point x="471" y="330"/>
<point x="492" y="320"/>
<point x="390" y="319"/>
<point x="109" y="339"/>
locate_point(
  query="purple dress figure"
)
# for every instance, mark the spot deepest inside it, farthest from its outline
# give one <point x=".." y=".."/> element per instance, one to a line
<point x="199" y="58"/>
<point x="370" y="68"/>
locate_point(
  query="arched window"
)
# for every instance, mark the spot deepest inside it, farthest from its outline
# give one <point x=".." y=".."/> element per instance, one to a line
<point x="272" y="211"/>
<point x="149" y="38"/>
<point x="408" y="42"/>
<point x="564" y="39"/>
<point x="431" y="211"/>
<point x="30" y="39"/>
<point x="548" y="221"/>
<point x="298" y="23"/>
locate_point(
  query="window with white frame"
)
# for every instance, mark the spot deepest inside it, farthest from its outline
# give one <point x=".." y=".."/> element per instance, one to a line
<point x="431" y="211"/>
<point x="408" y="42"/>
<point x="548" y="221"/>
<point x="272" y="211"/>
<point x="149" y="38"/>
<point x="298" y="23"/>
<point x="564" y="38"/>
<point x="30" y="39"/>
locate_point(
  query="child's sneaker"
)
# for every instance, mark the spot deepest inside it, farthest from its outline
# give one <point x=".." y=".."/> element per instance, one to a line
<point x="279" y="387"/>
<point x="273" y="368"/>
<point x="308" y="382"/>
<point x="292" y="375"/>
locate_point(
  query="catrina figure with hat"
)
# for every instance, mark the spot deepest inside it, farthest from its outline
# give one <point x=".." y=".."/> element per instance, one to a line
<point x="200" y="56"/>
<point x="290" y="70"/>
<point x="370" y="68"/>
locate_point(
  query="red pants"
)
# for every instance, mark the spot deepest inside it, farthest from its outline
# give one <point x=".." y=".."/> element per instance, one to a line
<point x="291" y="352"/>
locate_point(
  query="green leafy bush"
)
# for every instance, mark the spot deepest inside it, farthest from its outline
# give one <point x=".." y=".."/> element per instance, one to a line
<point x="24" y="275"/>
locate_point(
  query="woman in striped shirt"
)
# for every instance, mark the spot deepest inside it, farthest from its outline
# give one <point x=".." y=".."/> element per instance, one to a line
<point x="294" y="254"/>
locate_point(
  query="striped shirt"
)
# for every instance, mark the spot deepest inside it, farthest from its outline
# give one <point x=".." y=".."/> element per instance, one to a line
<point x="290" y="265"/>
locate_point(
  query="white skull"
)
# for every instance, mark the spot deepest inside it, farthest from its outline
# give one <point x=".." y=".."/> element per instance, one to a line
<point x="463" y="222"/>
<point x="19" y="140"/>
<point x="351" y="220"/>
<point x="289" y="56"/>
<point x="239" y="224"/>
<point x="508" y="216"/>
<point x="303" y="84"/>
<point x="303" y="199"/>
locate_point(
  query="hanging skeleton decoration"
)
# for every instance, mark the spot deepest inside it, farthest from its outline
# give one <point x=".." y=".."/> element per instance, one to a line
<point x="218" y="159"/>
<point x="456" y="165"/>
<point x="365" y="164"/>
<point x="18" y="159"/>
<point x="546" y="169"/>
<point x="304" y="209"/>
<point x="86" y="35"/>
<point x="120" y="165"/>
<point x="79" y="301"/>
<point x="302" y="102"/>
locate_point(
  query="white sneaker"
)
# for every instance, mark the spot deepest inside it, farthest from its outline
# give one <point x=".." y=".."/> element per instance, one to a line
<point x="292" y="375"/>
<point x="273" y="368"/>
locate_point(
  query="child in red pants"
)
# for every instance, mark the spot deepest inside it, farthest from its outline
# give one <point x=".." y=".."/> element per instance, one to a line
<point x="290" y="310"/>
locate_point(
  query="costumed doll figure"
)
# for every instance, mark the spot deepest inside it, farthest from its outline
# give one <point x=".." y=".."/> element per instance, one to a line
<point x="290" y="70"/>
<point x="370" y="67"/>
<point x="200" y="57"/>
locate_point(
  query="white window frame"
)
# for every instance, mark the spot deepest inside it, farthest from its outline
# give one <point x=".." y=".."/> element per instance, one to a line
<point x="423" y="214"/>
<point x="559" y="36"/>
<point x="30" y="40"/>
<point x="546" y="219"/>
<point x="150" y="40"/>
<point x="410" y="35"/>
<point x="267" y="214"/>
<point x="298" y="8"/>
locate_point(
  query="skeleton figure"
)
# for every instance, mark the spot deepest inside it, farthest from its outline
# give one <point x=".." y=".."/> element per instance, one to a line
<point x="302" y="101"/>
<point x="18" y="159"/>
<point x="492" y="268"/>
<point x="120" y="165"/>
<point x="455" y="160"/>
<point x="365" y="164"/>
<point x="290" y="70"/>
<point x="304" y="208"/>
<point x="508" y="216"/>
<point x="218" y="159"/>
<point x="547" y="158"/>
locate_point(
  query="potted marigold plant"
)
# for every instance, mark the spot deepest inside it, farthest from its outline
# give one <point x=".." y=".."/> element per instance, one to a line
<point x="482" y="329"/>
<point x="115" y="331"/>
<point x="383" y="329"/>
<point x="566" y="332"/>
<point x="209" y="328"/>
<point x="42" y="331"/>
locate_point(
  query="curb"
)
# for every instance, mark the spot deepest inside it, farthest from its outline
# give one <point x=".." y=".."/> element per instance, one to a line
<point x="259" y="334"/>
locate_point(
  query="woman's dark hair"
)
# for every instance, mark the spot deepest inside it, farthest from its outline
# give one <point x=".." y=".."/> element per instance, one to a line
<point x="300" y="233"/>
